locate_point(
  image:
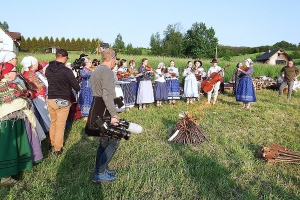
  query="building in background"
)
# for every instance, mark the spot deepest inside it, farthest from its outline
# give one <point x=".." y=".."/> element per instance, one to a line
<point x="9" y="41"/>
<point x="274" y="57"/>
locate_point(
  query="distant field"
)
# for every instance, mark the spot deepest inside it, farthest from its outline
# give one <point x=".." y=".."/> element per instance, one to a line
<point x="259" y="69"/>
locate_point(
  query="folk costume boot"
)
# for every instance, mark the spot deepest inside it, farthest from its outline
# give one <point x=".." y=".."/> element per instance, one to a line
<point x="157" y="103"/>
<point x="191" y="100"/>
<point x="247" y="105"/>
<point x="160" y="103"/>
<point x="244" y="105"/>
<point x="140" y="106"/>
<point x="187" y="100"/>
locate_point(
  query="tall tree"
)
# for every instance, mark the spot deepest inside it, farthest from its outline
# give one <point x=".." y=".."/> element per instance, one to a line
<point x="119" y="44"/>
<point x="199" y="42"/>
<point x="40" y="44"/>
<point x="63" y="43"/>
<point x="46" y="42"/>
<point x="172" y="40"/>
<point x="4" y="26"/>
<point x="156" y="44"/>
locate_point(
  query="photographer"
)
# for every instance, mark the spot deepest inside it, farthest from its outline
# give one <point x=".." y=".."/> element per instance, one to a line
<point x="103" y="88"/>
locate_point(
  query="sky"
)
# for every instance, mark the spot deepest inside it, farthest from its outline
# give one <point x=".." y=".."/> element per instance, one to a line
<point x="249" y="23"/>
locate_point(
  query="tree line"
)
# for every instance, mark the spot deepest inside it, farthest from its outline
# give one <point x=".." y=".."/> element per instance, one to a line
<point x="197" y="42"/>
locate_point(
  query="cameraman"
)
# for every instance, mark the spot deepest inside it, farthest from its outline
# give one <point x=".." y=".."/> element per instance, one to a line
<point x="103" y="88"/>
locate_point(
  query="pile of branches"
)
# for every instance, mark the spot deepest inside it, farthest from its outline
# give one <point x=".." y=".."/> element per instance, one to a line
<point x="187" y="131"/>
<point x="276" y="153"/>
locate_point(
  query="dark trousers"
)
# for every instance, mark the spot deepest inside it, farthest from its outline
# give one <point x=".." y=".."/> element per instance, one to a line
<point x="106" y="150"/>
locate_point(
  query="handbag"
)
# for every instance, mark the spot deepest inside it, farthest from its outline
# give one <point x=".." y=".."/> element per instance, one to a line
<point x="61" y="102"/>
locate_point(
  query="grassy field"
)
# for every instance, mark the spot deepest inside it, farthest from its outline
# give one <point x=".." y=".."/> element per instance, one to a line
<point x="150" y="167"/>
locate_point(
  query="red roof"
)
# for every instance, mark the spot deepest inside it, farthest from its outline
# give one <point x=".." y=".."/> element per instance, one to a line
<point x="14" y="35"/>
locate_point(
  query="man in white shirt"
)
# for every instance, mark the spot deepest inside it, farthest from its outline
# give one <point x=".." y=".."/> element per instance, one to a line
<point x="214" y="69"/>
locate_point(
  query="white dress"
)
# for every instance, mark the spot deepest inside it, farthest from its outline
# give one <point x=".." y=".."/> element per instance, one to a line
<point x="190" y="84"/>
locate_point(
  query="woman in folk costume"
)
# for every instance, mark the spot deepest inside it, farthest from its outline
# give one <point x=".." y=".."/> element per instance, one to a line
<point x="38" y="89"/>
<point x="200" y="73"/>
<point x="125" y="83"/>
<point x="245" y="91"/>
<point x="20" y="145"/>
<point x="190" y="90"/>
<point x="160" y="88"/>
<point x="236" y="78"/>
<point x="145" y="90"/>
<point x="85" y="94"/>
<point x="11" y="57"/>
<point x="133" y="72"/>
<point x="172" y="83"/>
<point x="41" y="73"/>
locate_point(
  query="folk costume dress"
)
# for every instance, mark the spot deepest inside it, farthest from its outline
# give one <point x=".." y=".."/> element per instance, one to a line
<point x="39" y="93"/>
<point x="20" y="146"/>
<point x="245" y="91"/>
<point x="85" y="94"/>
<point x="172" y="83"/>
<point x="190" y="84"/>
<point x="134" y="83"/>
<point x="145" y="90"/>
<point x="126" y="86"/>
<point x="160" y="88"/>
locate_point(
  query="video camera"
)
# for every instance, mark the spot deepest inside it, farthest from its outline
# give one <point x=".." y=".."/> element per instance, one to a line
<point x="122" y="130"/>
<point x="78" y="63"/>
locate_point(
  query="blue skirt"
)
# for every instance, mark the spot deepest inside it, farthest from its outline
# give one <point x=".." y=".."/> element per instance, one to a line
<point x="173" y="88"/>
<point x="129" y="99"/>
<point x="160" y="91"/>
<point x="85" y="100"/>
<point x="134" y="86"/>
<point x="245" y="91"/>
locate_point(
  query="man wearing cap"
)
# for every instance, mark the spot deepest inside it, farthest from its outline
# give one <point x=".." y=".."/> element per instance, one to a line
<point x="61" y="81"/>
<point x="215" y="68"/>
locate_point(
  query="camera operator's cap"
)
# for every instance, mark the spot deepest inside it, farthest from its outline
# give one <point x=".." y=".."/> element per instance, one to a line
<point x="83" y="55"/>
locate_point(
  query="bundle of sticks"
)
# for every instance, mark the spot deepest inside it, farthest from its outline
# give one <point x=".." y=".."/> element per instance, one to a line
<point x="187" y="131"/>
<point x="276" y="153"/>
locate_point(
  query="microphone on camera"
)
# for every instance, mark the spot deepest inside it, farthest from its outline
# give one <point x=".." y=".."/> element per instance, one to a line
<point x="135" y="128"/>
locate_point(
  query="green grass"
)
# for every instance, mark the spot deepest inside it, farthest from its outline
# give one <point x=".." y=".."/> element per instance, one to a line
<point x="259" y="69"/>
<point x="150" y="167"/>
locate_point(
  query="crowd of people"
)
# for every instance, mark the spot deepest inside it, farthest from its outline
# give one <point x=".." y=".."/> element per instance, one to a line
<point x="41" y="98"/>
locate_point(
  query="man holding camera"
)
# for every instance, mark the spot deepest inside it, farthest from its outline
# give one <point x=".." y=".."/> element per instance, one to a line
<point x="103" y="87"/>
<point x="60" y="83"/>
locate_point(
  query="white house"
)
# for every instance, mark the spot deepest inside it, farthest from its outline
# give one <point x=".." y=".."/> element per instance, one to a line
<point x="9" y="41"/>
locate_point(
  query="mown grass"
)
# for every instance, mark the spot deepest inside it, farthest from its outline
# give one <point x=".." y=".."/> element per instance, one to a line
<point x="150" y="167"/>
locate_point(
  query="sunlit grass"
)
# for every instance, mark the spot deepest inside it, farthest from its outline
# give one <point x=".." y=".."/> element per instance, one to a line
<point x="150" y="167"/>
